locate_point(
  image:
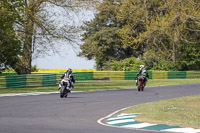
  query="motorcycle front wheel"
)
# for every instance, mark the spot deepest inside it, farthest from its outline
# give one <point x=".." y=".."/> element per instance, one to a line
<point x="62" y="91"/>
<point x="138" y="87"/>
<point x="142" y="87"/>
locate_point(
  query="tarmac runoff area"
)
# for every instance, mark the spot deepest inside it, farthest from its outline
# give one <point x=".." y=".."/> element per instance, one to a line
<point x="127" y="121"/>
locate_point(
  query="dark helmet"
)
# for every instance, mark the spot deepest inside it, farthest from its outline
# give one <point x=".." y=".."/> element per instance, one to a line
<point x="69" y="71"/>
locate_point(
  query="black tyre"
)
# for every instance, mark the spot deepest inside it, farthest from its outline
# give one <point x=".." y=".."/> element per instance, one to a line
<point x="66" y="95"/>
<point x="138" y="86"/>
<point x="142" y="87"/>
<point x="62" y="91"/>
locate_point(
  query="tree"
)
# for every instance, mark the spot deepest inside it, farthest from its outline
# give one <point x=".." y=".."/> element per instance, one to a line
<point x="101" y="39"/>
<point x="10" y="45"/>
<point x="136" y="16"/>
<point x="177" y="32"/>
<point x="168" y="30"/>
<point x="40" y="26"/>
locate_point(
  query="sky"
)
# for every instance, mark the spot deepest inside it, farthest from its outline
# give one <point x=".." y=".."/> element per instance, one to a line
<point x="68" y="58"/>
<point x="64" y="61"/>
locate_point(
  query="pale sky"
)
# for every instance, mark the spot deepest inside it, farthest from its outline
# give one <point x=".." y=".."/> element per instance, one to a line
<point x="67" y="59"/>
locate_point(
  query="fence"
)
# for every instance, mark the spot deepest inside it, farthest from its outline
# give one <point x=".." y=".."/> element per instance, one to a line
<point x="12" y="80"/>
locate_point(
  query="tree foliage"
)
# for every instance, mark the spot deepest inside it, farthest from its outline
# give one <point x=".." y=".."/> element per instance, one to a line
<point x="41" y="26"/>
<point x="101" y="39"/>
<point x="173" y="35"/>
<point x="168" y="30"/>
<point x="10" y="45"/>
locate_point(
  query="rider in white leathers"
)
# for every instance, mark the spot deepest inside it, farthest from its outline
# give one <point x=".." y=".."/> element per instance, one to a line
<point x="70" y="76"/>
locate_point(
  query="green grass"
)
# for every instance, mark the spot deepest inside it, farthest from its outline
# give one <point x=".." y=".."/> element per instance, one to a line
<point x="183" y="111"/>
<point x="100" y="85"/>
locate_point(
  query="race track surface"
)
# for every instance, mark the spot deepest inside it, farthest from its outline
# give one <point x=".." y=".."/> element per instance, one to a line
<point x="80" y="111"/>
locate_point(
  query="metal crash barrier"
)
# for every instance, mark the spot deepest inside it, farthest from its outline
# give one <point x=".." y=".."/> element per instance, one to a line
<point x="12" y="80"/>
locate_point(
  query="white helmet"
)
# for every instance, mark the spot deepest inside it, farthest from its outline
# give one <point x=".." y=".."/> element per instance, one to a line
<point x="141" y="67"/>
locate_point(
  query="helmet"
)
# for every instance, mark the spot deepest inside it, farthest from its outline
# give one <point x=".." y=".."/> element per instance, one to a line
<point x="141" y="67"/>
<point x="69" y="70"/>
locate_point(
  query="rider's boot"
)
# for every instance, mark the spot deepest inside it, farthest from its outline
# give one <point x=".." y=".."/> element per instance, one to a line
<point x="59" y="86"/>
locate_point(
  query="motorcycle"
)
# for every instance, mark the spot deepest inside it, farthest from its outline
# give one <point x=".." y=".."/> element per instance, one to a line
<point x="65" y="88"/>
<point x="141" y="84"/>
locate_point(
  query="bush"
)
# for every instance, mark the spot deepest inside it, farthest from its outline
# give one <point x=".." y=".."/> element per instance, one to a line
<point x="128" y="64"/>
<point x="34" y="68"/>
<point x="150" y="63"/>
<point x="154" y="63"/>
<point x="116" y="66"/>
<point x="137" y="65"/>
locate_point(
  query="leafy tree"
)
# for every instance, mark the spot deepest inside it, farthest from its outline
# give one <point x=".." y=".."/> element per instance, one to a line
<point x="40" y="27"/>
<point x="10" y="45"/>
<point x="136" y="16"/>
<point x="101" y="39"/>
<point x="174" y="34"/>
<point x="165" y="33"/>
<point x="153" y="62"/>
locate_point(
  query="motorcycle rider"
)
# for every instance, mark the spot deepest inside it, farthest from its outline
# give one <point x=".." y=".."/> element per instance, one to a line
<point x="68" y="74"/>
<point x="142" y="72"/>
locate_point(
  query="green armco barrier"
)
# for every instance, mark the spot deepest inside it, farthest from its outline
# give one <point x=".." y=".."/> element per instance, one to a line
<point x="83" y="76"/>
<point x="8" y="73"/>
<point x="192" y="74"/>
<point x="108" y="75"/>
<point x="100" y="74"/>
<point x="159" y="74"/>
<point x="34" y="80"/>
<point x="52" y="79"/>
<point x="48" y="79"/>
<point x="176" y="74"/>
<point x="116" y="75"/>
<point x="16" y="81"/>
<point x="2" y="82"/>
<point x="130" y="75"/>
<point x="58" y="77"/>
<point x="79" y="76"/>
<point x="150" y="74"/>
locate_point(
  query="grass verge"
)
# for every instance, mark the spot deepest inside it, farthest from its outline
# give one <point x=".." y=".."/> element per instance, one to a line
<point x="100" y="85"/>
<point x="182" y="111"/>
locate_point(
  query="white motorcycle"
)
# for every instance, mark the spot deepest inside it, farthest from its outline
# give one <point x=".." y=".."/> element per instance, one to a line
<point x="65" y="87"/>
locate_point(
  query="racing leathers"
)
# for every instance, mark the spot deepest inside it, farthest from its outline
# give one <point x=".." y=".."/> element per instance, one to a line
<point x="144" y="74"/>
<point x="70" y="76"/>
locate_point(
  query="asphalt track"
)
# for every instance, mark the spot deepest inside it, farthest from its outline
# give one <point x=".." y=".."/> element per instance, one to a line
<point x="80" y="111"/>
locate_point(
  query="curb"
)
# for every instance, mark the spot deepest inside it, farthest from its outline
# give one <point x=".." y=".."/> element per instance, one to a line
<point x="28" y="94"/>
<point x="126" y="121"/>
<point x="32" y="94"/>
